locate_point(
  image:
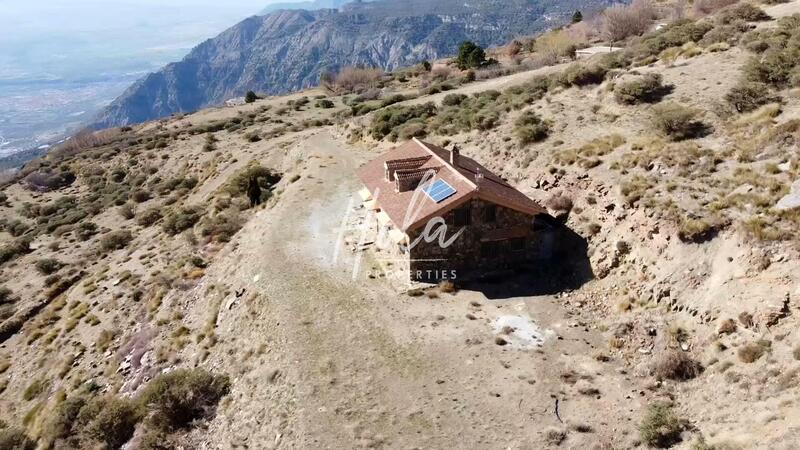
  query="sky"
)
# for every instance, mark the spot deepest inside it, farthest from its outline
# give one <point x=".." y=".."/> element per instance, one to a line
<point x="55" y="35"/>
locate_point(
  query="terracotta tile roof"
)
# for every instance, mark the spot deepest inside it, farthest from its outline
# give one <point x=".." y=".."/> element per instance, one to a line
<point x="413" y="208"/>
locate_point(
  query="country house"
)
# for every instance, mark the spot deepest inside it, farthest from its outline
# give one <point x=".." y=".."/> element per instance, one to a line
<point x="442" y="214"/>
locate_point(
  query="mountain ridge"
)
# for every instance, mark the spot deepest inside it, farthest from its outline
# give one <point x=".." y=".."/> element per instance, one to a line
<point x="287" y="50"/>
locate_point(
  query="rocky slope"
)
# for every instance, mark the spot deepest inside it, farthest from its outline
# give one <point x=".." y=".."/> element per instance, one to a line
<point x="287" y="50"/>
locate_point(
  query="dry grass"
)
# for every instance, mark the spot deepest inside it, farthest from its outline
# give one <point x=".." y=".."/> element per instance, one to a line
<point x="750" y="353"/>
<point x="676" y="365"/>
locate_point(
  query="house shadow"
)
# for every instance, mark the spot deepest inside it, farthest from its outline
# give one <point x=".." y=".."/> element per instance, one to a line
<point x="560" y="264"/>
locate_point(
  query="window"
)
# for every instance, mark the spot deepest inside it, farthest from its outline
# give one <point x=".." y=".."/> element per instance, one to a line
<point x="461" y="216"/>
<point x="490" y="249"/>
<point x="490" y="214"/>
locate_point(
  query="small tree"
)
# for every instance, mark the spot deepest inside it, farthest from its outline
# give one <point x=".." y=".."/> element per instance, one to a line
<point x="250" y="97"/>
<point x="470" y="56"/>
<point x="577" y="17"/>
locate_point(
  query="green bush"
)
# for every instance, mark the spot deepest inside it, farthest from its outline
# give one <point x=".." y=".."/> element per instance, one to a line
<point x="529" y="127"/>
<point x="743" y="11"/>
<point x="85" y="231"/>
<point x="453" y="99"/>
<point x="661" y="427"/>
<point x="772" y="67"/>
<point x="115" y="240"/>
<point x="674" y="34"/>
<point x="6" y="296"/>
<point x="109" y="420"/>
<point x="149" y="217"/>
<point x="141" y="196"/>
<point x="178" y="398"/>
<point x="387" y="122"/>
<point x="747" y="96"/>
<point x="676" y="121"/>
<point x="48" y="266"/>
<point x="324" y="103"/>
<point x="250" y="97"/>
<point x="581" y="75"/>
<point x="15" y="248"/>
<point x="266" y="178"/>
<point x="647" y="88"/>
<point x="222" y="226"/>
<point x="470" y="56"/>
<point x="181" y="220"/>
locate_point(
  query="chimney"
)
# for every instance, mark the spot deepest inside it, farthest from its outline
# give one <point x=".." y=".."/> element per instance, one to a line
<point x="454" y="154"/>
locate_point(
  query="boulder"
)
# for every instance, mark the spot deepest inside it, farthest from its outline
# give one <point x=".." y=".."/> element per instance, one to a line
<point x="790" y="200"/>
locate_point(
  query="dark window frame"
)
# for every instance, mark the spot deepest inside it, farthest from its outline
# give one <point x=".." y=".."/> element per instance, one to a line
<point x="490" y="214"/>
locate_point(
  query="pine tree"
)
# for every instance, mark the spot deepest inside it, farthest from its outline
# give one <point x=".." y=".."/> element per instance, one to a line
<point x="577" y="17"/>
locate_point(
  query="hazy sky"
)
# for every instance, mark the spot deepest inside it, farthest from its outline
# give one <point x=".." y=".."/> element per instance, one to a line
<point x="54" y="38"/>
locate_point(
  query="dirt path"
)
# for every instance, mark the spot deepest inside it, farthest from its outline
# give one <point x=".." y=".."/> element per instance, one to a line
<point x="320" y="360"/>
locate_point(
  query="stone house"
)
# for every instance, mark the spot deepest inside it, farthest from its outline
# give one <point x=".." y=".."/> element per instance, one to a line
<point x="442" y="215"/>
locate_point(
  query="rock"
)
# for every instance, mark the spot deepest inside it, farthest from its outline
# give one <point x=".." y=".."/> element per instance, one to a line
<point x="790" y="200"/>
<point x="499" y="340"/>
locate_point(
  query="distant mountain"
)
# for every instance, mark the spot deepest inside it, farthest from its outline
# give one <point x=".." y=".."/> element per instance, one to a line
<point x="287" y="50"/>
<point x="307" y="5"/>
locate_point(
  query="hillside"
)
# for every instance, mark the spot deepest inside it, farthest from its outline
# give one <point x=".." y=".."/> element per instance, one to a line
<point x="146" y="303"/>
<point x="288" y="50"/>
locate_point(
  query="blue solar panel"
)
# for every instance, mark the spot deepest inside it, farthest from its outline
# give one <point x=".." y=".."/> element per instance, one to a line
<point x="439" y="190"/>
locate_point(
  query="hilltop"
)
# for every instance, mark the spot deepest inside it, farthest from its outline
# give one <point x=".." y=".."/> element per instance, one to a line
<point x="132" y="252"/>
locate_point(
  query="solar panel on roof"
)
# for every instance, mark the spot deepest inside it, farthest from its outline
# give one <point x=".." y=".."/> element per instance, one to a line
<point x="439" y="190"/>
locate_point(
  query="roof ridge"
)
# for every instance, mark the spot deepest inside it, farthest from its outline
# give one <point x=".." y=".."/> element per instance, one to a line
<point x="446" y="163"/>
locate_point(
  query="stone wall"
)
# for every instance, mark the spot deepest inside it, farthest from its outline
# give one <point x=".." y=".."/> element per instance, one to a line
<point x="432" y="261"/>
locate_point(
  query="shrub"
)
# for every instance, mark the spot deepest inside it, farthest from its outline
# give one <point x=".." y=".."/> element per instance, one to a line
<point x="674" y="34"/>
<point x="181" y="220"/>
<point x="559" y="202"/>
<point x="115" y="240"/>
<point x="35" y="389"/>
<point x="645" y="89"/>
<point x="250" y="97"/>
<point x="746" y="97"/>
<point x="696" y="230"/>
<point x="86" y="230"/>
<point x="354" y="79"/>
<point x="47" y="266"/>
<point x="15" y="439"/>
<point x="109" y="420"/>
<point x="149" y="217"/>
<point x="751" y="352"/>
<point x="222" y="226"/>
<point x="6" y="296"/>
<point x="621" y="22"/>
<point x="127" y="211"/>
<point x="742" y="11"/>
<point x="324" y="103"/>
<point x="14" y="249"/>
<point x="177" y="398"/>
<point x="266" y="178"/>
<point x="704" y="7"/>
<point x="453" y="99"/>
<point x="529" y="127"/>
<point x="661" y="427"/>
<point x="581" y="75"/>
<point x="554" y="45"/>
<point x="470" y="56"/>
<point x="386" y="122"/>
<point x="676" y="121"/>
<point x="140" y="196"/>
<point x="772" y="67"/>
<point x="46" y="181"/>
<point x="677" y="365"/>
